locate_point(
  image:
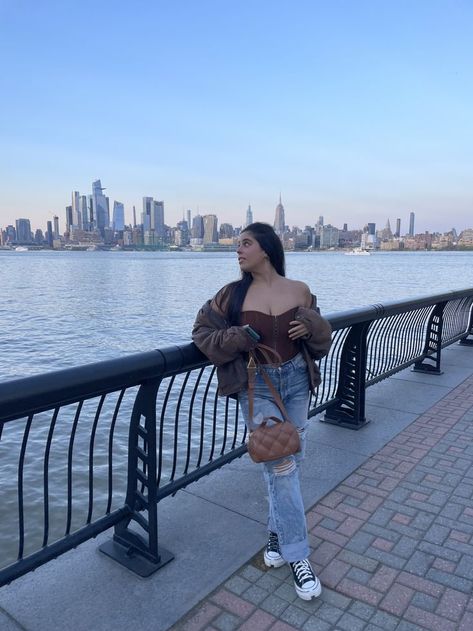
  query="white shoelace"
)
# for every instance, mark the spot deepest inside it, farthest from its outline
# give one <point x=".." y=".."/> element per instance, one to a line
<point x="303" y="571"/>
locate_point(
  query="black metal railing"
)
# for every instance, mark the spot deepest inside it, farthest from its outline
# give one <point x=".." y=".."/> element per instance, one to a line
<point x="88" y="448"/>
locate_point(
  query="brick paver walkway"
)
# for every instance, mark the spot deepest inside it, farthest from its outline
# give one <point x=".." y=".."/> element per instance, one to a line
<point x="392" y="544"/>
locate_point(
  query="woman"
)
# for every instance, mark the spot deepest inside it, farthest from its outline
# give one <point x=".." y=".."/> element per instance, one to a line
<point x="285" y="316"/>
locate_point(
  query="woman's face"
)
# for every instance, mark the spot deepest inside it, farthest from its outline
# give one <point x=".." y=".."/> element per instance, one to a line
<point x="251" y="256"/>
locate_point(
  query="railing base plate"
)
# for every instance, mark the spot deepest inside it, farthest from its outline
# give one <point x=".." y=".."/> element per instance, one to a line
<point x="133" y="560"/>
<point x="343" y="423"/>
<point x="466" y="342"/>
<point x="427" y="370"/>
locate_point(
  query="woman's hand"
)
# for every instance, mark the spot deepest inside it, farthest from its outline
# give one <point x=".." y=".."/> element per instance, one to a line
<point x="297" y="330"/>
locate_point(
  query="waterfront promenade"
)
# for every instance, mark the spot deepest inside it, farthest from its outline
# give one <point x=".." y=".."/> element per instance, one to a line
<point x="390" y="512"/>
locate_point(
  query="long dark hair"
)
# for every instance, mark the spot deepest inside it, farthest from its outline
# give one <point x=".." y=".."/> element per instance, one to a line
<point x="235" y="293"/>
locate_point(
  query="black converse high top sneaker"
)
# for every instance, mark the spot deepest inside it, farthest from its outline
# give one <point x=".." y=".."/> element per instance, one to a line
<point x="272" y="553"/>
<point x="306" y="583"/>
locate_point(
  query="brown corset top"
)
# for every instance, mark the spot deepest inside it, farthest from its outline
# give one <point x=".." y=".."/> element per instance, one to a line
<point x="273" y="331"/>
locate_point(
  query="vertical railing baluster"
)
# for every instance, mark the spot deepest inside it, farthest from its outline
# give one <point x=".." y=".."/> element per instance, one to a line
<point x="110" y="450"/>
<point x="91" y="459"/>
<point x="46" y="477"/>
<point x="21" y="510"/>
<point x="69" y="467"/>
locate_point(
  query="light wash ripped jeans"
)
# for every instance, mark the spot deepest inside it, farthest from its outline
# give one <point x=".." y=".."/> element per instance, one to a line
<point x="286" y="509"/>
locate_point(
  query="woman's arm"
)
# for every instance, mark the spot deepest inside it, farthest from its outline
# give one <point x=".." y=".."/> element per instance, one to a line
<point x="219" y="342"/>
<point x="319" y="332"/>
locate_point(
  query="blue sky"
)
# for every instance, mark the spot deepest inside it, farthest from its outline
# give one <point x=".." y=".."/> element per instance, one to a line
<point x="357" y="110"/>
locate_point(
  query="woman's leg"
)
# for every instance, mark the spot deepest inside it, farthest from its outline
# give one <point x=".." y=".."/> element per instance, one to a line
<point x="286" y="508"/>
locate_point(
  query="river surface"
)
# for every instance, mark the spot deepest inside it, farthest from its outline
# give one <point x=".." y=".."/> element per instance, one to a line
<point x="63" y="309"/>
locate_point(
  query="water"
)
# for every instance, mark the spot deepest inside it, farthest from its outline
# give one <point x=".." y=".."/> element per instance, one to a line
<point x="61" y="309"/>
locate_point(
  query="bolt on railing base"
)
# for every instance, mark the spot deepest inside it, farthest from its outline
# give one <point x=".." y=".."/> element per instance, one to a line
<point x="133" y="560"/>
<point x="341" y="422"/>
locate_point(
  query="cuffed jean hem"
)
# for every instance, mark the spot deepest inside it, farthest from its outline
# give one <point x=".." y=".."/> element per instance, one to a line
<point x="291" y="552"/>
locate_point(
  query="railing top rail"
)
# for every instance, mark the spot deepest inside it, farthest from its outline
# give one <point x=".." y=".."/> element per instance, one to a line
<point x="342" y="319"/>
<point x="21" y="397"/>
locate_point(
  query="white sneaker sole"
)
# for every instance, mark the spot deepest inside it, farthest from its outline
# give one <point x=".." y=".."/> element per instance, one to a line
<point x="269" y="562"/>
<point x="308" y="595"/>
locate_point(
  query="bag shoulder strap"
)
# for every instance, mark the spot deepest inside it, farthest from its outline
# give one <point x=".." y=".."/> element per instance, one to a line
<point x="253" y="365"/>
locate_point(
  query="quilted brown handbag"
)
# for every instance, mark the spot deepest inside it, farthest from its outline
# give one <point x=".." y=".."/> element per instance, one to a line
<point x="269" y="442"/>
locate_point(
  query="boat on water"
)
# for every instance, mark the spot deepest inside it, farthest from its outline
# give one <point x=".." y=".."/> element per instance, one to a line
<point x="358" y="252"/>
<point x="21" y="248"/>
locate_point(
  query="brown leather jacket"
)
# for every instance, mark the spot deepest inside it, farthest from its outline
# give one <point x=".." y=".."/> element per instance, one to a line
<point x="226" y="346"/>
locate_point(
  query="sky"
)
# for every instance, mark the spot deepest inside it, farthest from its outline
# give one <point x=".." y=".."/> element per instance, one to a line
<point x="356" y="110"/>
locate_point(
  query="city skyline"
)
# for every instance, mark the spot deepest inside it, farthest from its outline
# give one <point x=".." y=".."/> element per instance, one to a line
<point x="80" y="215"/>
<point x="358" y="112"/>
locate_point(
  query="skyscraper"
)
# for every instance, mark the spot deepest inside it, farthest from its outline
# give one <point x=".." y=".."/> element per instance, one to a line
<point x="50" y="233"/>
<point x="84" y="210"/>
<point x="398" y="228"/>
<point x="225" y="231"/>
<point x="56" y="226"/>
<point x="279" y="219"/>
<point x="102" y="214"/>
<point x="118" y="220"/>
<point x="157" y="218"/>
<point x="411" y="224"/>
<point x="146" y="213"/>
<point x="23" y="231"/>
<point x="182" y="233"/>
<point x="249" y="216"/>
<point x="210" y="229"/>
<point x="76" y="213"/>
<point x="68" y="218"/>
<point x="197" y="227"/>
<point x="91" y="212"/>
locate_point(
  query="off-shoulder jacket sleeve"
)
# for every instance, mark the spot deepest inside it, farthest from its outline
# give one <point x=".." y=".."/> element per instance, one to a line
<point x="218" y="341"/>
<point x="319" y="340"/>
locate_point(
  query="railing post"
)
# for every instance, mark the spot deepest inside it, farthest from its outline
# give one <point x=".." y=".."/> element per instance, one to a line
<point x="465" y="341"/>
<point x="138" y="553"/>
<point x="348" y="409"/>
<point x="433" y="343"/>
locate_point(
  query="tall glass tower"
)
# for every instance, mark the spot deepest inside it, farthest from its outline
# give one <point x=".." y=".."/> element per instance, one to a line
<point x="198" y="227"/>
<point x="157" y="218"/>
<point x="23" y="231"/>
<point x="118" y="221"/>
<point x="411" y="224"/>
<point x="146" y="213"/>
<point x="210" y="229"/>
<point x="76" y="212"/>
<point x="102" y="214"/>
<point x="279" y="219"/>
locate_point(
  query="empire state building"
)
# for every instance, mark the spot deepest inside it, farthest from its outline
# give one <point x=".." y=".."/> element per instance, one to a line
<point x="279" y="220"/>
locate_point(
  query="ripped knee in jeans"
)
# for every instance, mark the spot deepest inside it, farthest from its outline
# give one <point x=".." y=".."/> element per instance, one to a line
<point x="285" y="467"/>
